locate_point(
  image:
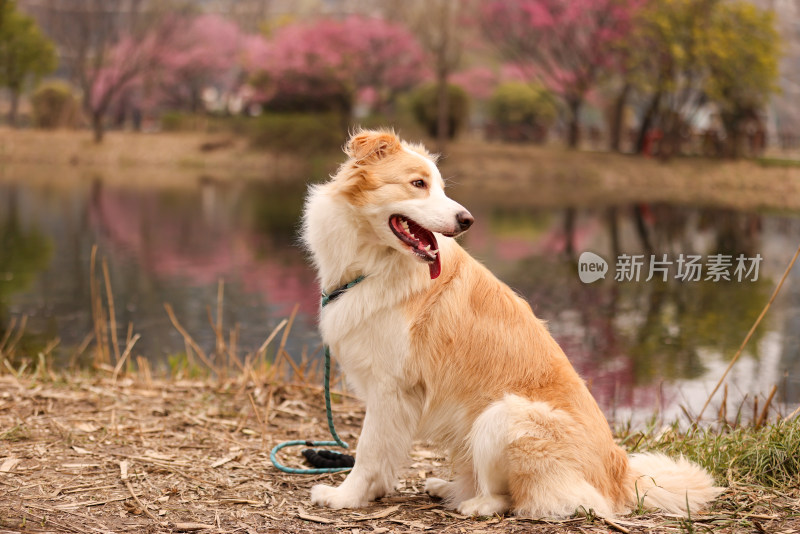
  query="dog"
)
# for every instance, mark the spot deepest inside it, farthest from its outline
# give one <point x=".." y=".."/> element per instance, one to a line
<point x="441" y="350"/>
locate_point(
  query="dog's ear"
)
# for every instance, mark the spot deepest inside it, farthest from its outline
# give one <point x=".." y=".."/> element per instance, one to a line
<point x="370" y="146"/>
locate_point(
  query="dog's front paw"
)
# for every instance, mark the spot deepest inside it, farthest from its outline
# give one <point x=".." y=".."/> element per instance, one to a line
<point x="331" y="497"/>
<point x="489" y="505"/>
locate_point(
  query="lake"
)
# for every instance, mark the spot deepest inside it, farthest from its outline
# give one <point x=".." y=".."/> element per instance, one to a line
<point x="643" y="346"/>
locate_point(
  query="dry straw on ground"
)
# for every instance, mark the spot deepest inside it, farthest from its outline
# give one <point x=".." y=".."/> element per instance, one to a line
<point x="98" y="455"/>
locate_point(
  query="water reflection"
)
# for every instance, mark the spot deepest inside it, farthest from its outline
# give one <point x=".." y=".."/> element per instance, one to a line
<point x="639" y="345"/>
<point x="652" y="343"/>
<point x="24" y="252"/>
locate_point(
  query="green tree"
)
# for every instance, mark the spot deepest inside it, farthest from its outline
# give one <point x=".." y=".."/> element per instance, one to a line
<point x="741" y="53"/>
<point x="25" y="53"/>
<point x="683" y="54"/>
<point x="665" y="63"/>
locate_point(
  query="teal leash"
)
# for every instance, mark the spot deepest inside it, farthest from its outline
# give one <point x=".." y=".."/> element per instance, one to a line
<point x="327" y="298"/>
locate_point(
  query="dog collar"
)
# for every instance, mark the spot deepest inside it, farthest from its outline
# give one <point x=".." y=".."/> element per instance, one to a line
<point x="327" y="298"/>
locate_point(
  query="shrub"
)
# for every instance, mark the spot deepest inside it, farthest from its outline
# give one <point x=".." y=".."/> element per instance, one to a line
<point x="298" y="132"/>
<point x="55" y="106"/>
<point x="173" y="121"/>
<point x="425" y="106"/>
<point x="521" y="112"/>
<point x="182" y="121"/>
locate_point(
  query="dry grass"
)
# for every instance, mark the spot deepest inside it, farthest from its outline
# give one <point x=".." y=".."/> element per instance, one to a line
<point x="94" y="454"/>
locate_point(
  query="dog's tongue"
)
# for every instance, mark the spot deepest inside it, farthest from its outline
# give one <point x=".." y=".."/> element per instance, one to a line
<point x="435" y="267"/>
<point x="425" y="238"/>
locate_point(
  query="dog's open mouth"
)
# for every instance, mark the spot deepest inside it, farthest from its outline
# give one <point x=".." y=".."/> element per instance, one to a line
<point x="420" y="240"/>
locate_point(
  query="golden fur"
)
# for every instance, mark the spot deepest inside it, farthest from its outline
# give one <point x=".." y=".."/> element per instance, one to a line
<point x="475" y="341"/>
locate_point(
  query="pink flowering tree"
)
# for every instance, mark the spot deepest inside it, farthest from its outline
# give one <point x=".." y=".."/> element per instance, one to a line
<point x="326" y="63"/>
<point x="478" y="82"/>
<point x="567" y="46"/>
<point x="127" y="61"/>
<point x="171" y="64"/>
<point x="391" y="60"/>
<point x="202" y="53"/>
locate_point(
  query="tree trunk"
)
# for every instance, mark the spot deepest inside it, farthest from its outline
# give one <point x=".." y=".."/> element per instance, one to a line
<point x="641" y="228"/>
<point x="647" y="122"/>
<point x="613" y="229"/>
<point x="14" y="109"/>
<point x="569" y="231"/>
<point x="617" y="116"/>
<point x="730" y="122"/>
<point x="97" y="126"/>
<point x="574" y="128"/>
<point x="442" y="112"/>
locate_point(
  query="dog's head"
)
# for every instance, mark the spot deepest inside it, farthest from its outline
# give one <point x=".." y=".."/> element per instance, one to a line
<point x="398" y="190"/>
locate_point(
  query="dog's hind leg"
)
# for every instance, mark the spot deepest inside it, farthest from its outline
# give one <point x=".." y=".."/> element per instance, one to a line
<point x="487" y="442"/>
<point x="528" y="456"/>
<point x="546" y="457"/>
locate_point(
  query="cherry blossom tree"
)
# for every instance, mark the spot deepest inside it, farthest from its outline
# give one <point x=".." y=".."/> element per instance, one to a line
<point x="127" y="62"/>
<point x="478" y="82"/>
<point x="203" y="52"/>
<point x="325" y="63"/>
<point x="170" y="65"/>
<point x="567" y="46"/>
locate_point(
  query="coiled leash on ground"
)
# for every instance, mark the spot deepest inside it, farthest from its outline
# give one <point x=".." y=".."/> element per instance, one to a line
<point x="323" y="461"/>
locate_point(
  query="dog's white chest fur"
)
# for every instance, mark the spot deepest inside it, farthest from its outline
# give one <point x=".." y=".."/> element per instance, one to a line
<point x="369" y="339"/>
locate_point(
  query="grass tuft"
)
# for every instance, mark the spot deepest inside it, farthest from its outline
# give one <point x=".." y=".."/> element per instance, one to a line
<point x="767" y="456"/>
<point x="15" y="433"/>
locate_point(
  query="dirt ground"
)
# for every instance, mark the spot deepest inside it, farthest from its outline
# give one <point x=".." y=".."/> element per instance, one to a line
<point x="94" y="455"/>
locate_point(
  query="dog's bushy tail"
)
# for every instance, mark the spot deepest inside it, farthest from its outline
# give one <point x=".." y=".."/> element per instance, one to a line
<point x="676" y="486"/>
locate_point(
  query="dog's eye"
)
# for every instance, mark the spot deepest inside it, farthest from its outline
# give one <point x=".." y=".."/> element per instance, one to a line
<point x="418" y="183"/>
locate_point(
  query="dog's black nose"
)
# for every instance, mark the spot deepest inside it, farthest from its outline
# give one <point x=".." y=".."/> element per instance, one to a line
<point x="464" y="219"/>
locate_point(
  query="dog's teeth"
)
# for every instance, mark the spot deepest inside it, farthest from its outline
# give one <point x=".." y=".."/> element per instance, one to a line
<point x="405" y="225"/>
<point x="427" y="248"/>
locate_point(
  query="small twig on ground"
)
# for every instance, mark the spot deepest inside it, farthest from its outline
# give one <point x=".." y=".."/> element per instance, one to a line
<point x="615" y="526"/>
<point x="7" y="335"/>
<point x="763" y="417"/>
<point x="188" y="338"/>
<point x="315" y="518"/>
<point x="124" y="357"/>
<point x="111" y="313"/>
<point x="272" y="335"/>
<point x="192" y="527"/>
<point x="123" y="471"/>
<point x="255" y="409"/>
